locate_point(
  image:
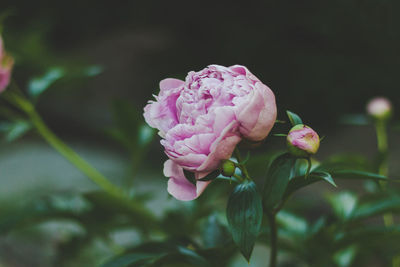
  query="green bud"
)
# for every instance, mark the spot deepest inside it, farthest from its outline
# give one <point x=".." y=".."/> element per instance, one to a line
<point x="228" y="168"/>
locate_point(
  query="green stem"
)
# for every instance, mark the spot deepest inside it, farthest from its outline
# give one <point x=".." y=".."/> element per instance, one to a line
<point x="381" y="135"/>
<point x="240" y="165"/>
<point x="26" y="106"/>
<point x="239" y="178"/>
<point x="281" y="204"/>
<point x="308" y="167"/>
<point x="273" y="239"/>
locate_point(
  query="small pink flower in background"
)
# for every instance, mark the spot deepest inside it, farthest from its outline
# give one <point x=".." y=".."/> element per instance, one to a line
<point x="6" y="64"/>
<point x="379" y="108"/>
<point x="203" y="118"/>
<point x="302" y="141"/>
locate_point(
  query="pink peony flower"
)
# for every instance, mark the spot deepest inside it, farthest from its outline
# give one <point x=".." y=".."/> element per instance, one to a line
<point x="6" y="64"/>
<point x="203" y="118"/>
<point x="302" y="141"/>
<point x="379" y="108"/>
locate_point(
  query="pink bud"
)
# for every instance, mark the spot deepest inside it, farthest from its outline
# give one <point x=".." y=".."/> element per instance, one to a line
<point x="302" y="141"/>
<point x="379" y="108"/>
<point x="6" y="64"/>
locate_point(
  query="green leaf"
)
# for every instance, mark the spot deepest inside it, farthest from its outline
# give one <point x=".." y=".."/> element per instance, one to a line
<point x="211" y="176"/>
<point x="258" y="164"/>
<point x="355" y="119"/>
<point x="294" y="118"/>
<point x="368" y="235"/>
<point x="129" y="259"/>
<point x="96" y="211"/>
<point x="215" y="233"/>
<point x="42" y="209"/>
<point x="220" y="256"/>
<point x="277" y="179"/>
<point x="381" y="205"/>
<point x="146" y="135"/>
<point x="292" y="223"/>
<point x="343" y="203"/>
<point x="325" y="176"/>
<point x="190" y="176"/>
<point x="345" y="257"/>
<point x="244" y="213"/>
<point x="93" y="70"/>
<point x="168" y="253"/>
<point x="182" y="257"/>
<point x="15" y="130"/>
<point x="318" y="226"/>
<point x="246" y="159"/>
<point x="355" y="174"/>
<point x="299" y="182"/>
<point x="301" y="167"/>
<point x="143" y="218"/>
<point x="40" y="84"/>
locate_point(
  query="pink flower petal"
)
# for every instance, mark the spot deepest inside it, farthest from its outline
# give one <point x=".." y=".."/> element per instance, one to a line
<point x="178" y="186"/>
<point x="222" y="148"/>
<point x="170" y="83"/>
<point x="258" y="116"/>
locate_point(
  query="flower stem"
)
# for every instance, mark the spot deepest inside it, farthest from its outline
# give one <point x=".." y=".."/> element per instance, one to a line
<point x="381" y="136"/>
<point x="240" y="165"/>
<point x="383" y="169"/>
<point x="239" y="178"/>
<point x="273" y="239"/>
<point x="26" y="106"/>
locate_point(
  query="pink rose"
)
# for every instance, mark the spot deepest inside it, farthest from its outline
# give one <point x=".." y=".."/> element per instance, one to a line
<point x="6" y="63"/>
<point x="203" y="118"/>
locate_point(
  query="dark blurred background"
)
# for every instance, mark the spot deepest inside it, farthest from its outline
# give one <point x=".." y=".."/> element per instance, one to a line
<point x="322" y="59"/>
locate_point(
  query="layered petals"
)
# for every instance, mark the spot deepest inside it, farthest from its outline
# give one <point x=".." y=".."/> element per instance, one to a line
<point x="203" y="118"/>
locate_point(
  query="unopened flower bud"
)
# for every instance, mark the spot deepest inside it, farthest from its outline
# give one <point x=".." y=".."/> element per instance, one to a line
<point x="302" y="141"/>
<point x="6" y="64"/>
<point x="379" y="108"/>
<point x="228" y="168"/>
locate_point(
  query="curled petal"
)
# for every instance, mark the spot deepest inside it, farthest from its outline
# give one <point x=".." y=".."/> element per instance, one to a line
<point x="221" y="149"/>
<point x="178" y="186"/>
<point x="259" y="114"/>
<point x="170" y="83"/>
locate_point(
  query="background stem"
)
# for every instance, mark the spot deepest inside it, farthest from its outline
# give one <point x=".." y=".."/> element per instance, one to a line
<point x="383" y="168"/>
<point x="94" y="175"/>
<point x="381" y="136"/>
